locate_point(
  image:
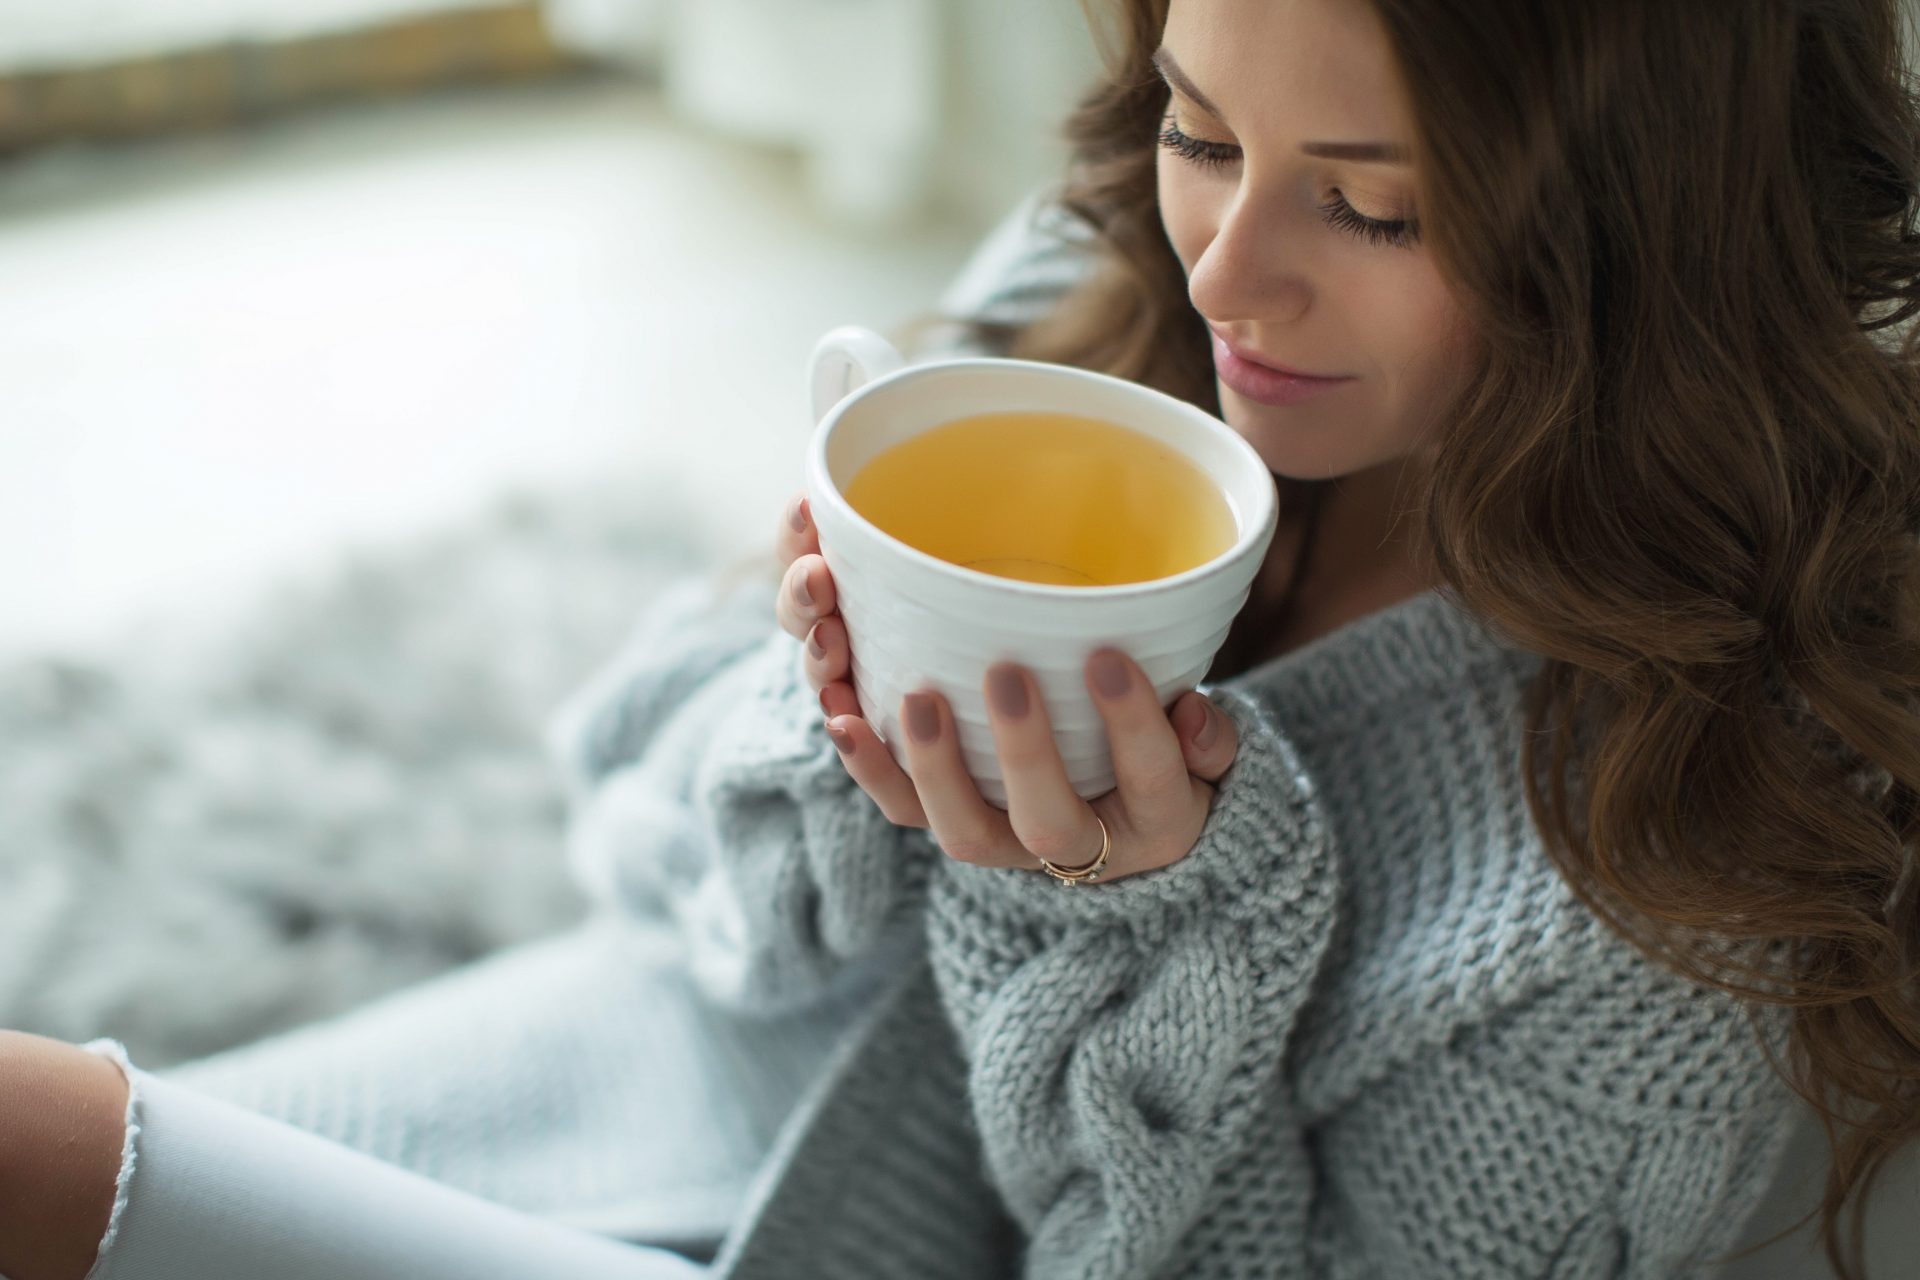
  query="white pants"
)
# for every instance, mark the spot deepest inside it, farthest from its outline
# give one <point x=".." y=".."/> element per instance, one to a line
<point x="561" y="1108"/>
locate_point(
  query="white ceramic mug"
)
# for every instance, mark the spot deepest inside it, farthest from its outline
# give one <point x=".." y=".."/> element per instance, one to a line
<point x="916" y="622"/>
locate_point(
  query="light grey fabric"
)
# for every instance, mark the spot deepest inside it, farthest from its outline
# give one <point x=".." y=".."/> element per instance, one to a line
<point x="213" y="1191"/>
<point x="581" y="1077"/>
<point x="1019" y="270"/>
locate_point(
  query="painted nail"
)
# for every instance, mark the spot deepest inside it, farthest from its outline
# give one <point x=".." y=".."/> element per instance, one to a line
<point x="1110" y="674"/>
<point x="1008" y="692"/>
<point x="841" y="739"/>
<point x="923" y="718"/>
<point x="1203" y="736"/>
<point x="798" y="516"/>
<point x="800" y="592"/>
<point x="814" y="646"/>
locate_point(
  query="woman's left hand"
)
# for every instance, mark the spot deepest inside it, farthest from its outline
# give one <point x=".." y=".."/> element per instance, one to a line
<point x="1165" y="773"/>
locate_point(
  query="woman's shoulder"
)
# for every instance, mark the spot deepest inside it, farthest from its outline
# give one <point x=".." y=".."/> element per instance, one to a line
<point x="1021" y="268"/>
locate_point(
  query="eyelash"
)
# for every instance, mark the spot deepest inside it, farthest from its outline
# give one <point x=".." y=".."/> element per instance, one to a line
<point x="1400" y="234"/>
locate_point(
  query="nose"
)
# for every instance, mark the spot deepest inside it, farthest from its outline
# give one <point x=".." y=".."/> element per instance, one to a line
<point x="1250" y="270"/>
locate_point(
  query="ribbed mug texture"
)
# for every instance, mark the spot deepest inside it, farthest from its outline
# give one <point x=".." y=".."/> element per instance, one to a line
<point x="917" y="622"/>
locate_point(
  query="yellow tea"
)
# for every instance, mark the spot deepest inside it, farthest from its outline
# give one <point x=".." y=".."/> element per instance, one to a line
<point x="1046" y="497"/>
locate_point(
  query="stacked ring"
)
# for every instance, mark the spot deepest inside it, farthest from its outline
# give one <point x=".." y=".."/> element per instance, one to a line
<point x="1074" y="875"/>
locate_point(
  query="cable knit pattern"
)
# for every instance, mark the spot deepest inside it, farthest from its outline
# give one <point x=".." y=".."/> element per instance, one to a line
<point x="704" y="788"/>
<point x="1123" y="1040"/>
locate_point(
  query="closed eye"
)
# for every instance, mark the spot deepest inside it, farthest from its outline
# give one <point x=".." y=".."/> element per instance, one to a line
<point x="1400" y="233"/>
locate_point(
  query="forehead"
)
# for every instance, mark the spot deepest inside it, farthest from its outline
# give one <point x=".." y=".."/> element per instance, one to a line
<point x="1291" y="68"/>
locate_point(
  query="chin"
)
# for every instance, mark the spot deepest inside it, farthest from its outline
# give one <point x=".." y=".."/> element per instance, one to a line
<point x="1283" y="448"/>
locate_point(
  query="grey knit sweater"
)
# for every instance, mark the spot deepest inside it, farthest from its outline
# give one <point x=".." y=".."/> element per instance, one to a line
<point x="1362" y="1029"/>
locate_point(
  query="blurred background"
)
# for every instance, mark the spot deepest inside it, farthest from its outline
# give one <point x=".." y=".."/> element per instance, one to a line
<point x="279" y="275"/>
<point x="367" y="365"/>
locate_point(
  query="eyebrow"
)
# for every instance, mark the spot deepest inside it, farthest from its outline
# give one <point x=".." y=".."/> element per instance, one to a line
<point x="1377" y="152"/>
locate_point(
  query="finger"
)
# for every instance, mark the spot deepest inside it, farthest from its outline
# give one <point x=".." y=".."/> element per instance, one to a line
<point x="797" y="536"/>
<point x="828" y="658"/>
<point x="839" y="699"/>
<point x="1047" y="815"/>
<point x="966" y="827"/>
<point x="1149" y="767"/>
<point x="1195" y="718"/>
<point x="806" y="595"/>
<point x="870" y="764"/>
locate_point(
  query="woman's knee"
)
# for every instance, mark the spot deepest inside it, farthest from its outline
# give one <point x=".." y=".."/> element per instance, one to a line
<point x="62" y="1131"/>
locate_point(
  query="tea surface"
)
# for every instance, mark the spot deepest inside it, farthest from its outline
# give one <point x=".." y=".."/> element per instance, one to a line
<point x="1046" y="497"/>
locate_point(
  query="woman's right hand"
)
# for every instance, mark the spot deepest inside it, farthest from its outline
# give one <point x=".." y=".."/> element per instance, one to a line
<point x="1151" y="827"/>
<point x="829" y="661"/>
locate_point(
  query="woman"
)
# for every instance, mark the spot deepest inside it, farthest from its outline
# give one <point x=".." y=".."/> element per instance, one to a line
<point x="1598" y="310"/>
<point x="1529" y="848"/>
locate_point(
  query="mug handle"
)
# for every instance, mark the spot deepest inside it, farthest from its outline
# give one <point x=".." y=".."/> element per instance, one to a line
<point x="845" y="360"/>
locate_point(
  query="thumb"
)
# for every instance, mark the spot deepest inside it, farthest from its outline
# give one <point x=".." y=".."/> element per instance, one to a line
<point x="1209" y="739"/>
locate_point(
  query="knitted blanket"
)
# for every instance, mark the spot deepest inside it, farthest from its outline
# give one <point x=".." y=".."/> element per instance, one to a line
<point x="210" y="832"/>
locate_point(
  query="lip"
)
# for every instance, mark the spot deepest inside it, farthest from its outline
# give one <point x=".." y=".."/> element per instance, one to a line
<point x="1256" y="359"/>
<point x="1264" y="383"/>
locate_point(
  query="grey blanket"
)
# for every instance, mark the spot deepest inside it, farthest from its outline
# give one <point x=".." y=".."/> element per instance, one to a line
<point x="210" y="833"/>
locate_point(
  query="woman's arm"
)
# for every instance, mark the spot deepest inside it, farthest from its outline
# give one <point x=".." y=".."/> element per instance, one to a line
<point x="705" y="791"/>
<point x="702" y="783"/>
<point x="1124" y="1040"/>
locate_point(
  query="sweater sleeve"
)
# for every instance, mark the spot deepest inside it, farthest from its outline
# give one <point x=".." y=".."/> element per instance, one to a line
<point x="1122" y="1039"/>
<point x="1037" y="253"/>
<point x="703" y="790"/>
<point x="701" y="783"/>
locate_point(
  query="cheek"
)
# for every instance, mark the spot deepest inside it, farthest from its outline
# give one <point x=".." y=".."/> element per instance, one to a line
<point x="1437" y="360"/>
<point x="1449" y="346"/>
<point x="1418" y="326"/>
<point x="1181" y="212"/>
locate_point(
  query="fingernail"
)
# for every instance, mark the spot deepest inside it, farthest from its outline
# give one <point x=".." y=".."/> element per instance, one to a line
<point x="798" y="516"/>
<point x="841" y="739"/>
<point x="923" y="718"/>
<point x="1110" y="674"/>
<point x="1008" y="692"/>
<point x="800" y="592"/>
<point x="814" y="646"/>
<point x="1204" y="736"/>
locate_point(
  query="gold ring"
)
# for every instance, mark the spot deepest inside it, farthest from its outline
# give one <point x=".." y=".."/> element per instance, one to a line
<point x="1075" y="875"/>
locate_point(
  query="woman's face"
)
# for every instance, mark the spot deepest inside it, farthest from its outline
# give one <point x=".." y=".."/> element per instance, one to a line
<point x="1278" y="260"/>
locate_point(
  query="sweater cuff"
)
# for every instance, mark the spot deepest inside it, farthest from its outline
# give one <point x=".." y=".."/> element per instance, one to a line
<point x="682" y="641"/>
<point x="1263" y="839"/>
<point x="812" y="876"/>
<point x="777" y="726"/>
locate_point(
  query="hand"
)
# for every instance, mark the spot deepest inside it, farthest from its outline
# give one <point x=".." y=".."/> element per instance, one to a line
<point x="1164" y="776"/>
<point x="829" y="662"/>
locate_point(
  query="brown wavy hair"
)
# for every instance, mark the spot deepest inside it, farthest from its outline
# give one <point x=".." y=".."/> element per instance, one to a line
<point x="1687" y="473"/>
